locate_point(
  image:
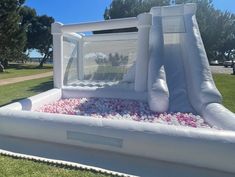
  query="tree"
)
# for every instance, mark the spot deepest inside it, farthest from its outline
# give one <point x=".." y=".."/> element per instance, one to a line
<point x="129" y="8"/>
<point x="226" y="35"/>
<point x="39" y="36"/>
<point x="27" y="16"/>
<point x="113" y="59"/>
<point x="38" y="29"/>
<point x="1" y="68"/>
<point x="12" y="34"/>
<point x="217" y="29"/>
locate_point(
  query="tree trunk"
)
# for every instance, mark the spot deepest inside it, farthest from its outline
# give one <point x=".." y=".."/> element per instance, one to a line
<point x="1" y="68"/>
<point x="44" y="59"/>
<point x="228" y="56"/>
<point x="5" y="63"/>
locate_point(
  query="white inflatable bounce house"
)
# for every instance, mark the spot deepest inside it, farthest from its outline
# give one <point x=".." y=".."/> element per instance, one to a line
<point x="162" y="69"/>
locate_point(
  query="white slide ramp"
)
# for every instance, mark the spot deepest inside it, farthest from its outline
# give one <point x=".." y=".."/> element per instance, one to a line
<point x="175" y="75"/>
<point x="188" y="76"/>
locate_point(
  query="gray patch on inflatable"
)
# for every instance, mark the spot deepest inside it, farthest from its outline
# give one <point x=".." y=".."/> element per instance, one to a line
<point x="95" y="139"/>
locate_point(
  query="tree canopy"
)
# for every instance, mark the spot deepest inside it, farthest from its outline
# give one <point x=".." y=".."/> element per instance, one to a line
<point x="217" y="28"/>
<point x="12" y="33"/>
<point x="21" y="30"/>
<point x="131" y="8"/>
<point x="39" y="36"/>
<point x="38" y="30"/>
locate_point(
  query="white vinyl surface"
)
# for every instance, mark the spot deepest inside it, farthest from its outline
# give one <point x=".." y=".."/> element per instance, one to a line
<point x="129" y="165"/>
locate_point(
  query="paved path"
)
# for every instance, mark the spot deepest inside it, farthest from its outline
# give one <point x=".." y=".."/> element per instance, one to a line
<point x="214" y="69"/>
<point x="24" y="78"/>
<point x="221" y="69"/>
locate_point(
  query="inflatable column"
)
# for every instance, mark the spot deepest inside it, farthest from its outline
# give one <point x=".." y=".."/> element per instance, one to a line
<point x="57" y="54"/>
<point x="141" y="71"/>
<point x="80" y="58"/>
<point x="158" y="94"/>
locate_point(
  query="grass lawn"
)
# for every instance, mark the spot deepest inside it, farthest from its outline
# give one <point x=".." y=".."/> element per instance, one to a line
<point x="14" y="92"/>
<point x="11" y="167"/>
<point x="226" y="85"/>
<point x="17" y="70"/>
<point x="18" y="167"/>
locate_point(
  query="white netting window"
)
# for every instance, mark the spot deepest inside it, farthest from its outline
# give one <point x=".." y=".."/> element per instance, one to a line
<point x="173" y="19"/>
<point x="98" y="60"/>
<point x="70" y="56"/>
<point x="173" y="24"/>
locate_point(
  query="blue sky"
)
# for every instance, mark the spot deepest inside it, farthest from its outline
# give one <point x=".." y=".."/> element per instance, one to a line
<point x="71" y="11"/>
<point x="77" y="11"/>
<point x="224" y="5"/>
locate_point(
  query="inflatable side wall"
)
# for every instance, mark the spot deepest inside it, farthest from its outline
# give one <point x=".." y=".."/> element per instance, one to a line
<point x="200" y="84"/>
<point x="203" y="94"/>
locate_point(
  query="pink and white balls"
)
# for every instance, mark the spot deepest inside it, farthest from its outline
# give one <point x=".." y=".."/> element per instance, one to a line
<point x="109" y="108"/>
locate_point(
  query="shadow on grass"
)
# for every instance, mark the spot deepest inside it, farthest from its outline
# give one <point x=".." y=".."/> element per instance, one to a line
<point x="26" y="66"/>
<point x="12" y="101"/>
<point x="42" y="87"/>
<point x="18" y="99"/>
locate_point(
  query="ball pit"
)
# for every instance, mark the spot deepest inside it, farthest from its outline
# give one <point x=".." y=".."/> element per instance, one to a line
<point x="122" y="109"/>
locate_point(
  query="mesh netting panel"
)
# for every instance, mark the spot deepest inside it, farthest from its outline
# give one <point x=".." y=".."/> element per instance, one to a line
<point x="70" y="60"/>
<point x="100" y="60"/>
<point x="108" y="60"/>
<point x="173" y="24"/>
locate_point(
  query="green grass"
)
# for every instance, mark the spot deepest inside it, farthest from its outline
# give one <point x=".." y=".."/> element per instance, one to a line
<point x="17" y="70"/>
<point x="226" y="85"/>
<point x="17" y="167"/>
<point x="14" y="92"/>
<point x="11" y="167"/>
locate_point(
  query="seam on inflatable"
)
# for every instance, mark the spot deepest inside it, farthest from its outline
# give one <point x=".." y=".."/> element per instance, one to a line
<point x="62" y="164"/>
<point x="204" y="106"/>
